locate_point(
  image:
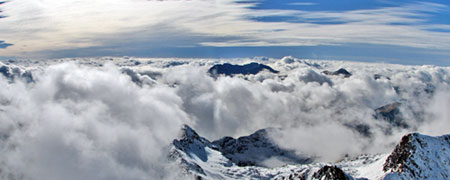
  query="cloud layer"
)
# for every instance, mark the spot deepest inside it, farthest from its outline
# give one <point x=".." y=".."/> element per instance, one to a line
<point x="114" y="118"/>
<point x="87" y="123"/>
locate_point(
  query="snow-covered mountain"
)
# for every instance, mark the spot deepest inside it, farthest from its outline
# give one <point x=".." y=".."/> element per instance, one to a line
<point x="256" y="149"/>
<point x="419" y="156"/>
<point x="416" y="156"/>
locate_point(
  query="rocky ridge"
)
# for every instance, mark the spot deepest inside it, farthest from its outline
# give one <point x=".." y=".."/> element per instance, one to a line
<point x="417" y="156"/>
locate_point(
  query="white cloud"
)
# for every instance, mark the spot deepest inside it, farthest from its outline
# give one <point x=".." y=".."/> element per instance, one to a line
<point x="87" y="123"/>
<point x="438" y="113"/>
<point x="84" y="122"/>
<point x="316" y="116"/>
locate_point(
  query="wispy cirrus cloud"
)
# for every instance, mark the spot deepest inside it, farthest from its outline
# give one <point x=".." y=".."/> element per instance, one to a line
<point x="43" y="28"/>
<point x="2" y="16"/>
<point x="403" y="26"/>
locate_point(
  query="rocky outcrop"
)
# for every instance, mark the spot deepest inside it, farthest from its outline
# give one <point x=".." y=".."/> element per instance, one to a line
<point x="330" y="173"/>
<point x="192" y="143"/>
<point x="254" y="149"/>
<point x="419" y="157"/>
<point x="391" y="113"/>
<point x="250" y="150"/>
<point x="415" y="157"/>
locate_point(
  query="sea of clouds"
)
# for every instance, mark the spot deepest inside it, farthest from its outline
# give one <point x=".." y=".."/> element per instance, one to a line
<point x="115" y="118"/>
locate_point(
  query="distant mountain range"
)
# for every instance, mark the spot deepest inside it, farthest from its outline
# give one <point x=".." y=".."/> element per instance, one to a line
<point x="232" y="69"/>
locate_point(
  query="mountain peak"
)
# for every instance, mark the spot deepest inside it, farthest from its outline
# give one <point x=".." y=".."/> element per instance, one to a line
<point x="188" y="139"/>
<point x="420" y="156"/>
<point x="255" y="149"/>
<point x="416" y="156"/>
<point x="188" y="133"/>
<point x="341" y="71"/>
<point x="330" y="172"/>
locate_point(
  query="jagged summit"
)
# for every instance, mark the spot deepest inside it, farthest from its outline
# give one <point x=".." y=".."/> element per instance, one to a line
<point x="331" y="172"/>
<point x="188" y="133"/>
<point x="419" y="156"/>
<point x="192" y="150"/>
<point x="254" y="149"/>
<point x="189" y="141"/>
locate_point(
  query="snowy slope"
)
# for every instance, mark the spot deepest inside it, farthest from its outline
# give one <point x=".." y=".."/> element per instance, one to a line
<point x="256" y="149"/>
<point x="204" y="159"/>
<point x="419" y="156"/>
<point x="415" y="157"/>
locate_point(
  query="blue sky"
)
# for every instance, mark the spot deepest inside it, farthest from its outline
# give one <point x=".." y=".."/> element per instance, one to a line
<point x="405" y="32"/>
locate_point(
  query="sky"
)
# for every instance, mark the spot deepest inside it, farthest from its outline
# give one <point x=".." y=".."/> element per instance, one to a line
<point x="403" y="32"/>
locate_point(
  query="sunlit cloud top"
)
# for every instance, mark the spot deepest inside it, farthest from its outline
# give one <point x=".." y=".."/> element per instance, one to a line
<point x="204" y="28"/>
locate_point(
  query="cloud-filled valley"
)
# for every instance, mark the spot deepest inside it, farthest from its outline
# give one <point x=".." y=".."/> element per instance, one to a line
<point x="115" y="118"/>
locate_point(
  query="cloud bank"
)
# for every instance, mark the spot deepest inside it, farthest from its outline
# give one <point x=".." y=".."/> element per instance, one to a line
<point x="79" y="122"/>
<point x="114" y="118"/>
<point x="86" y="28"/>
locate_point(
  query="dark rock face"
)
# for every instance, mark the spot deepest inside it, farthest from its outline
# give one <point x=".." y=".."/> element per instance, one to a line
<point x="379" y="76"/>
<point x="254" y="149"/>
<point x="391" y="113"/>
<point x="361" y="128"/>
<point x="299" y="175"/>
<point x="133" y="75"/>
<point x="401" y="153"/>
<point x="330" y="172"/>
<point x="341" y="71"/>
<point x="230" y="69"/>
